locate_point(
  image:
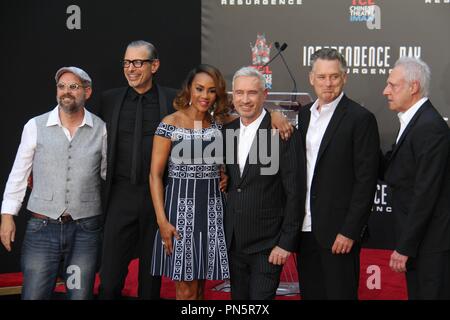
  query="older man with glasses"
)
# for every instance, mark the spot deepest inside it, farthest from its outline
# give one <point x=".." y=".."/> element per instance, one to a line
<point x="132" y="114"/>
<point x="66" y="148"/>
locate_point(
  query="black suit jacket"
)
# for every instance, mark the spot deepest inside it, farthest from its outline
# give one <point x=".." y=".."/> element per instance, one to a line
<point x="111" y="102"/>
<point x="418" y="174"/>
<point x="345" y="174"/>
<point x="264" y="210"/>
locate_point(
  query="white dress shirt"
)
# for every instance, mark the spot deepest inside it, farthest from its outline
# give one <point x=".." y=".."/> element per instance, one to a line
<point x="246" y="136"/>
<point x="405" y="117"/>
<point x="318" y="124"/>
<point x="18" y="178"/>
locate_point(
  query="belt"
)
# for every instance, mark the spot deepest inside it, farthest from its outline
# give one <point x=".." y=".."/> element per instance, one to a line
<point x="61" y="219"/>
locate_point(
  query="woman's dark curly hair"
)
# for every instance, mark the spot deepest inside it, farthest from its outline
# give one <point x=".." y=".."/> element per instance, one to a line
<point x="221" y="107"/>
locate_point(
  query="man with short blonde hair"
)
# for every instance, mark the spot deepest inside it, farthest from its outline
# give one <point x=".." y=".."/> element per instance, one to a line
<point x="262" y="220"/>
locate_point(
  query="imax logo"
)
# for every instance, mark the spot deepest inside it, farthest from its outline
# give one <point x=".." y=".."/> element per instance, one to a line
<point x="371" y="14"/>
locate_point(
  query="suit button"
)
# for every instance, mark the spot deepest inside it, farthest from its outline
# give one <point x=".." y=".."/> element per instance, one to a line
<point x="239" y="190"/>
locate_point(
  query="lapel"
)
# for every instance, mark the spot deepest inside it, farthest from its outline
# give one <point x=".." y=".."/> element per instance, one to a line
<point x="115" y="121"/>
<point x="265" y="124"/>
<point x="162" y="100"/>
<point x="306" y="117"/>
<point x="233" y="166"/>
<point x="408" y="129"/>
<point x="338" y="114"/>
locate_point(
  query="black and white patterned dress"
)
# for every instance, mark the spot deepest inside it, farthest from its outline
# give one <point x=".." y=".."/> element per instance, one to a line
<point x="195" y="206"/>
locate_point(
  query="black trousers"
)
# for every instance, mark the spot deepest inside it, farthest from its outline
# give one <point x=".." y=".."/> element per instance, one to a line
<point x="428" y="276"/>
<point x="129" y="232"/>
<point x="252" y="276"/>
<point x="326" y="276"/>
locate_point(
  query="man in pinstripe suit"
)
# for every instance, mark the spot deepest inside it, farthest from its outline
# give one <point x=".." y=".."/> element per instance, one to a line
<point x="262" y="220"/>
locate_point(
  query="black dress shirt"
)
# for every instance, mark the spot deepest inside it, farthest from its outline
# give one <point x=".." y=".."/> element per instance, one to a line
<point x="125" y="137"/>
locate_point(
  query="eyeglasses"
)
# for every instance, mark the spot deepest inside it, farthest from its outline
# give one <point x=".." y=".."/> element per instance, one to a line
<point x="71" y="87"/>
<point x="136" y="63"/>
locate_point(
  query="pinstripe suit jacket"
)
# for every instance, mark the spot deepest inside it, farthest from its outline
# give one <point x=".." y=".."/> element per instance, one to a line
<point x="265" y="210"/>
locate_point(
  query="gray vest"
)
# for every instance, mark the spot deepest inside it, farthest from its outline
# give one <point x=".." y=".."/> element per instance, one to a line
<point x="66" y="174"/>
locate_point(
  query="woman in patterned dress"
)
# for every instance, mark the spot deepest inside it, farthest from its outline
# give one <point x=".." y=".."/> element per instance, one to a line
<point x="190" y="244"/>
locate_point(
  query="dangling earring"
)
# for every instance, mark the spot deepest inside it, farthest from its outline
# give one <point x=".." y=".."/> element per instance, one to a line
<point x="190" y="103"/>
<point x="212" y="109"/>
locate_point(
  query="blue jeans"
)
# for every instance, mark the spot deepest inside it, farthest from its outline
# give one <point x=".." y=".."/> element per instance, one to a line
<point x="49" y="245"/>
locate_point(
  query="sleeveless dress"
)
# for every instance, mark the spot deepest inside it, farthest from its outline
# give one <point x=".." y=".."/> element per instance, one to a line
<point x="194" y="205"/>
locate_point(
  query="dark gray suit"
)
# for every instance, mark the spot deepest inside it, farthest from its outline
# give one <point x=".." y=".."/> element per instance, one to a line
<point x="418" y="172"/>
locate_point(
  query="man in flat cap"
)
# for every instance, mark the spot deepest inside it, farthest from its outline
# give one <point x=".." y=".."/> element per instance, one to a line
<point x="65" y="149"/>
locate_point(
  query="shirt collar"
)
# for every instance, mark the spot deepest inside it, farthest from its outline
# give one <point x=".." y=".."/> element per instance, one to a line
<point x="151" y="93"/>
<point x="256" y="123"/>
<point x="54" y="120"/>
<point x="133" y="94"/>
<point x="326" y="108"/>
<point x="405" y="117"/>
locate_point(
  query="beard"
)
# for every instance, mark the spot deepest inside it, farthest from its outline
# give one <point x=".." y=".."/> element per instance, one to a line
<point x="70" y="106"/>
